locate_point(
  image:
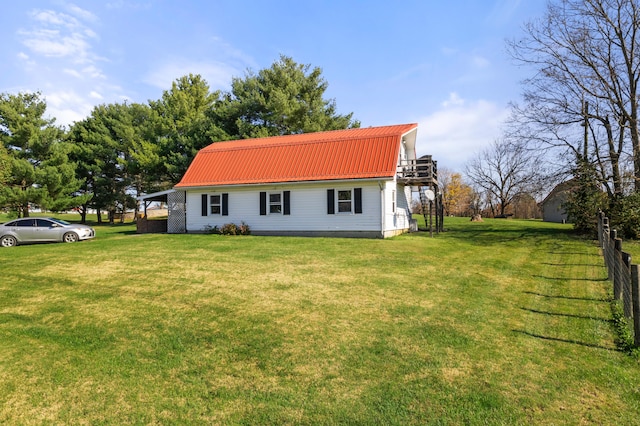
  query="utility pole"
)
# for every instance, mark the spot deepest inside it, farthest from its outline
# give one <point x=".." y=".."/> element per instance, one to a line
<point x="585" y="113"/>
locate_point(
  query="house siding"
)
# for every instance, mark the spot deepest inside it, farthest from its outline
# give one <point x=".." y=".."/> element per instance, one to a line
<point x="553" y="210"/>
<point x="398" y="221"/>
<point x="307" y="209"/>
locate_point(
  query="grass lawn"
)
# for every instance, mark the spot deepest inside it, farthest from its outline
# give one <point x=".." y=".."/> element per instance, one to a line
<point x="499" y="322"/>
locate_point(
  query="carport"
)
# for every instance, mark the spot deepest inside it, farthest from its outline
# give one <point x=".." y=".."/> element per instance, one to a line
<point x="145" y="225"/>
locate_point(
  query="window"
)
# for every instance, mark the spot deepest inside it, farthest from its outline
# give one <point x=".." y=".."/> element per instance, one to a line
<point x="216" y="204"/>
<point x="393" y="201"/>
<point x="344" y="201"/>
<point x="347" y="200"/>
<point x="275" y="202"/>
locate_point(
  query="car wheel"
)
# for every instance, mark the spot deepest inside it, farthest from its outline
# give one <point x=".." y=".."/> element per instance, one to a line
<point x="8" y="241"/>
<point x="70" y="237"/>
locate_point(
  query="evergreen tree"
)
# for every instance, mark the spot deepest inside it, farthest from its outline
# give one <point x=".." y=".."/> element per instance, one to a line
<point x="182" y="125"/>
<point x="286" y="98"/>
<point x="40" y="171"/>
<point x="585" y="199"/>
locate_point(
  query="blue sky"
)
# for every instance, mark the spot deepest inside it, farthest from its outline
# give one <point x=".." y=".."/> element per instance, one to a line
<point x="441" y="64"/>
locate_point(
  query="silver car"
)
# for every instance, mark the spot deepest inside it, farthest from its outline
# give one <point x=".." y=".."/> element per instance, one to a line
<point x="42" y="229"/>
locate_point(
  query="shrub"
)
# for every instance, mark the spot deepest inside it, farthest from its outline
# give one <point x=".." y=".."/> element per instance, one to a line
<point x="229" y="229"/>
<point x="244" y="229"/>
<point x="211" y="229"/>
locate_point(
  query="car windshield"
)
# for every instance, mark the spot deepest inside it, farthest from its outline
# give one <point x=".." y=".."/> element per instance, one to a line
<point x="60" y="221"/>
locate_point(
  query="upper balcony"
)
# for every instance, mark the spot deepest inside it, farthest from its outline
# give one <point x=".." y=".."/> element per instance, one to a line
<point x="422" y="171"/>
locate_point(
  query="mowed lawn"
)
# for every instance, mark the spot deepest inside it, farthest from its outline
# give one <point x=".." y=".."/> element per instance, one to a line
<point x="499" y="322"/>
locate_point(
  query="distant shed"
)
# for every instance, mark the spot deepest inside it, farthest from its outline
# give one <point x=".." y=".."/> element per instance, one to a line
<point x="552" y="205"/>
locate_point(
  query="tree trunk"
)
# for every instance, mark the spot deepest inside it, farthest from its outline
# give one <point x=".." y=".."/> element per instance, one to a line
<point x="83" y="213"/>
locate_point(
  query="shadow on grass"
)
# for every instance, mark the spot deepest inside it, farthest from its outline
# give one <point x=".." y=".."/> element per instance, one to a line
<point x="588" y="299"/>
<point x="595" y="265"/>
<point x="502" y="232"/>
<point x="560" y="314"/>
<point x="570" y="341"/>
<point x="569" y="278"/>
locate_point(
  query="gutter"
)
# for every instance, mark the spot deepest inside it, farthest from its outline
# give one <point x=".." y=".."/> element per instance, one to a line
<point x="298" y="182"/>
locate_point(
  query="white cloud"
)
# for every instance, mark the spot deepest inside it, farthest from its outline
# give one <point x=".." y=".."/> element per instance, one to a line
<point x="93" y="72"/>
<point x="72" y="72"/>
<point x="454" y="100"/>
<point x="83" y="14"/>
<point x="52" y="44"/>
<point x="67" y="107"/>
<point x="217" y="74"/>
<point x="51" y="17"/>
<point x="480" y="61"/>
<point x="61" y="60"/>
<point x="461" y="128"/>
<point x="55" y="34"/>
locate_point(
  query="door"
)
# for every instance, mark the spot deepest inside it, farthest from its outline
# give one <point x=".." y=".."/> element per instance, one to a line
<point x="25" y="230"/>
<point x="47" y="230"/>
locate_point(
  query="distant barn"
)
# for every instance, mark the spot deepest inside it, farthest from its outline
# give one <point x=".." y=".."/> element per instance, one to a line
<point x="552" y="205"/>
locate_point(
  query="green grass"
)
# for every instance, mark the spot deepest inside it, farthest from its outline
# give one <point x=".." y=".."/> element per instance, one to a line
<point x="499" y="322"/>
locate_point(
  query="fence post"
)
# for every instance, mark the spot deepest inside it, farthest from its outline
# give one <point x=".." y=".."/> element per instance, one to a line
<point x="635" y="299"/>
<point x="617" y="273"/>
<point x="610" y="253"/>
<point x="600" y="216"/>
<point x="626" y="284"/>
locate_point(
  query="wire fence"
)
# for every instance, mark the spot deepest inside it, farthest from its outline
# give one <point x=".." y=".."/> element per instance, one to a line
<point x="623" y="274"/>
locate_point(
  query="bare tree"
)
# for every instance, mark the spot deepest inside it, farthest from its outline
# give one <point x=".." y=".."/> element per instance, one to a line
<point x="503" y="171"/>
<point x="583" y="98"/>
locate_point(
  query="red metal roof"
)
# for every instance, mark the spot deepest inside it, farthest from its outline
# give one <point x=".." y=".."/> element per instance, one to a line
<point x="339" y="154"/>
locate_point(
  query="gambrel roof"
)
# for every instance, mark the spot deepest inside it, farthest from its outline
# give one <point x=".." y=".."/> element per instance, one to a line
<point x="362" y="153"/>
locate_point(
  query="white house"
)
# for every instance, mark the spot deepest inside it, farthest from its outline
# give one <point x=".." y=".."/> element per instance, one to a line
<point x="353" y="183"/>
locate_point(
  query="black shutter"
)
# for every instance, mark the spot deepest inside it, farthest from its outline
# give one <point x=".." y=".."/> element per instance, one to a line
<point x="225" y="204"/>
<point x="357" y="195"/>
<point x="205" y="204"/>
<point x="286" y="209"/>
<point x="331" y="201"/>
<point x="263" y="203"/>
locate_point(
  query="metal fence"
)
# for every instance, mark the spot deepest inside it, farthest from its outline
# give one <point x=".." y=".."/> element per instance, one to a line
<point x="623" y="274"/>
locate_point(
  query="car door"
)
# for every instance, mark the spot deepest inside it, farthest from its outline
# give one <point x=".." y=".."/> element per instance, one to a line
<point x="47" y="230"/>
<point x="25" y="230"/>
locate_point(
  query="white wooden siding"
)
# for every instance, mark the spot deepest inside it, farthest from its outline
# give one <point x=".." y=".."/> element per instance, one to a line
<point x="308" y="208"/>
<point x="398" y="220"/>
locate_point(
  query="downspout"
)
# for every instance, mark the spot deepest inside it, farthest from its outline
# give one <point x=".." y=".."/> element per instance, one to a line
<point x="382" y="224"/>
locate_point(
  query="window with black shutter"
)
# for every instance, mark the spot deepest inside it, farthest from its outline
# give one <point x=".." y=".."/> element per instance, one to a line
<point x="263" y="204"/>
<point x="286" y="198"/>
<point x="205" y="204"/>
<point x="357" y="200"/>
<point x="225" y="204"/>
<point x="331" y="204"/>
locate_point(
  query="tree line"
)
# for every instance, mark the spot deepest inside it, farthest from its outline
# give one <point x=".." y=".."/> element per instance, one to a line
<point x="123" y="150"/>
<point x="577" y="120"/>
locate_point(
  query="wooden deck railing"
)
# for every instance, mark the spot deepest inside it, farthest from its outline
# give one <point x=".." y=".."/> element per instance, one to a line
<point x="422" y="171"/>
